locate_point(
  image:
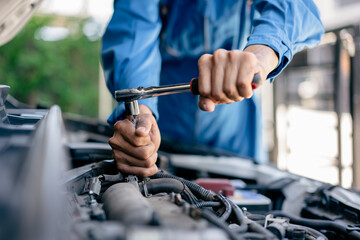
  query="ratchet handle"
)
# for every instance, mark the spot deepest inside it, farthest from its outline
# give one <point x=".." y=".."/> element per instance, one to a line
<point x="194" y="84"/>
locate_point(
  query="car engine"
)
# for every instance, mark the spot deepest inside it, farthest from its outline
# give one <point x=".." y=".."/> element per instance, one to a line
<point x="58" y="181"/>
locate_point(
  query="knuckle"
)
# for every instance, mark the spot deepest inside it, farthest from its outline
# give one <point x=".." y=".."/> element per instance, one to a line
<point x="146" y="172"/>
<point x="150" y="171"/>
<point x="230" y="92"/>
<point x="241" y="86"/>
<point x="143" y="174"/>
<point x="217" y="96"/>
<point x="153" y="170"/>
<point x="152" y="159"/>
<point x="204" y="60"/>
<point x="244" y="90"/>
<point x="148" y="163"/>
<point x="137" y="141"/>
<point x="220" y="55"/>
<point x="155" y="157"/>
<point x="144" y="153"/>
<point x="250" y="58"/>
<point x="234" y="55"/>
<point x="112" y="141"/>
<point x="117" y="126"/>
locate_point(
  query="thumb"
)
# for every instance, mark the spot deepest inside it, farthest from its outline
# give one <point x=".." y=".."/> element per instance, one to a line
<point x="143" y="125"/>
<point x="206" y="104"/>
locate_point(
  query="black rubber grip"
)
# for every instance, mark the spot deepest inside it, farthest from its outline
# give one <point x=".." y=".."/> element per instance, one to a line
<point x="194" y="84"/>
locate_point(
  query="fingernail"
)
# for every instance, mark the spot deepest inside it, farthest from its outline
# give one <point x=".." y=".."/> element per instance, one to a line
<point x="204" y="106"/>
<point x="141" y="129"/>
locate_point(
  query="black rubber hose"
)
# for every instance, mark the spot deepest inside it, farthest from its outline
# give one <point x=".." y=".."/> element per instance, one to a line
<point x="227" y="206"/>
<point x="239" y="215"/>
<point x="237" y="212"/>
<point x="319" y="224"/>
<point x="212" y="218"/>
<point x="190" y="196"/>
<point x="255" y="217"/>
<point x="198" y="191"/>
<point x="255" y="227"/>
<point x="155" y="186"/>
<point x="168" y="185"/>
<point x="316" y="234"/>
<point x="208" y="204"/>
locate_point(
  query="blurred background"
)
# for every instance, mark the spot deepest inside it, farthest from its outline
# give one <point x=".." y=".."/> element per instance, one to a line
<point x="56" y="57"/>
<point x="311" y="112"/>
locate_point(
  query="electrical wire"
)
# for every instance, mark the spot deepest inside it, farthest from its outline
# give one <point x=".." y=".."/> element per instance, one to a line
<point x="197" y="190"/>
<point x="212" y="218"/>
<point x="208" y="204"/>
<point x="227" y="211"/>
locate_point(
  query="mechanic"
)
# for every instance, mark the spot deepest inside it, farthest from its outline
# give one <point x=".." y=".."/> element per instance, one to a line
<point x="224" y="43"/>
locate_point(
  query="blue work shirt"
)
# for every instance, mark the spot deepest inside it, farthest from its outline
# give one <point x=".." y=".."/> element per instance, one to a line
<point x="141" y="48"/>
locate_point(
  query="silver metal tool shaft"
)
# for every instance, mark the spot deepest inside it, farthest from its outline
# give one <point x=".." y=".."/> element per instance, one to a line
<point x="149" y="92"/>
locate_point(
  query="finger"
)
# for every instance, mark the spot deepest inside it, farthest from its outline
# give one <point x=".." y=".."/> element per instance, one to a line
<point x="217" y="75"/>
<point x="125" y="129"/>
<point x="239" y="99"/>
<point x="245" y="75"/>
<point x="144" y="124"/>
<point x="155" y="136"/>
<point x="117" y="142"/>
<point x="205" y="65"/>
<point x="138" y="171"/>
<point x="206" y="104"/>
<point x="243" y="87"/>
<point x="231" y="72"/>
<point x="122" y="157"/>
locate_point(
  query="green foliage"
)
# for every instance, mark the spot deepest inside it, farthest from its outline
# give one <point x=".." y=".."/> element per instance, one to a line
<point x="64" y="72"/>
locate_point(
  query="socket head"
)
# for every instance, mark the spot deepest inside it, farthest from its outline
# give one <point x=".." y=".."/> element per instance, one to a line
<point x="132" y="108"/>
<point x="129" y="95"/>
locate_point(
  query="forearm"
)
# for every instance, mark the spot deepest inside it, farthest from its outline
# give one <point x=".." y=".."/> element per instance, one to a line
<point x="285" y="26"/>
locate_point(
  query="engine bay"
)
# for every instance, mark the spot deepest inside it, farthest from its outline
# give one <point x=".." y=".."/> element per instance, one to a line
<point x="109" y="205"/>
<point x="59" y="181"/>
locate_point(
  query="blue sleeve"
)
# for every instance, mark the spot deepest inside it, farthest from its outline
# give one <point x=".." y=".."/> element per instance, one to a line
<point x="287" y="26"/>
<point x="130" y="50"/>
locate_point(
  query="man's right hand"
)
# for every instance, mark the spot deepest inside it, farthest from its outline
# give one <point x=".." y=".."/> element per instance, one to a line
<point x="135" y="148"/>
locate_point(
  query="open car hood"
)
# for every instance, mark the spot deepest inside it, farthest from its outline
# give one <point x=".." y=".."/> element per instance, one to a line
<point x="14" y="14"/>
